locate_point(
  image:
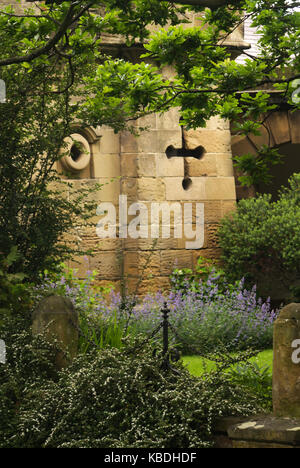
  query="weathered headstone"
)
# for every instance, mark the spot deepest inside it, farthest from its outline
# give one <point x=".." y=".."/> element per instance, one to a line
<point x="281" y="429"/>
<point x="286" y="362"/>
<point x="56" y="318"/>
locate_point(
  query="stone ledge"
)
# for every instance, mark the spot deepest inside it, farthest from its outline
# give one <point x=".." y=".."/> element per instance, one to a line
<point x="265" y="432"/>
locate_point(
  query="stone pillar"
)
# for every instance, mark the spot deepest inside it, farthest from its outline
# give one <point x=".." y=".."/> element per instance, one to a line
<point x="286" y="365"/>
<point x="56" y="317"/>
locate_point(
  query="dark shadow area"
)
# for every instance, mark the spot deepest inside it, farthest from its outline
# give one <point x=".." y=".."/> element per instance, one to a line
<point x="282" y="172"/>
<point x="197" y="153"/>
<point x="186" y="183"/>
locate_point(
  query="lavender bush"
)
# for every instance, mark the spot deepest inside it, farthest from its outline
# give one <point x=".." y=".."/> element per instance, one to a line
<point x="205" y="318"/>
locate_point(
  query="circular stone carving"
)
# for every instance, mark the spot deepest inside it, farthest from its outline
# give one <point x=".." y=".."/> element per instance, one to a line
<point x="78" y="151"/>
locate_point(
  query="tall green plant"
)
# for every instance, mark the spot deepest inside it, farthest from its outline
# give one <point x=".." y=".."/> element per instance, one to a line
<point x="14" y="293"/>
<point x="261" y="240"/>
<point x="35" y="209"/>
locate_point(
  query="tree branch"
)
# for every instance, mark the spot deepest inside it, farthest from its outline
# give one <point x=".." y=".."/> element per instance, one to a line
<point x="70" y="18"/>
<point x="213" y="4"/>
<point x="47" y="47"/>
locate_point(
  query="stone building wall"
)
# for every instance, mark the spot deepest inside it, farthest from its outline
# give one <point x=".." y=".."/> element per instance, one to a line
<point x="149" y="169"/>
<point x="140" y="169"/>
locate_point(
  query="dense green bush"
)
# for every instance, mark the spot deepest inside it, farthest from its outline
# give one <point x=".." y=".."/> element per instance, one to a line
<point x="115" y="398"/>
<point x="29" y="363"/>
<point x="15" y="296"/>
<point x="186" y="279"/>
<point x="261" y="240"/>
<point x="255" y="379"/>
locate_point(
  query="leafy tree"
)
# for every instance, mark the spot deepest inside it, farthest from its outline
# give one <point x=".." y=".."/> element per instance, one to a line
<point x="52" y="52"/>
<point x="206" y="80"/>
<point x="34" y="209"/>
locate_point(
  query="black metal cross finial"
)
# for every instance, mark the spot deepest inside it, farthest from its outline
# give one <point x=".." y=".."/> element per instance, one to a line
<point x="165" y="327"/>
<point x="167" y="354"/>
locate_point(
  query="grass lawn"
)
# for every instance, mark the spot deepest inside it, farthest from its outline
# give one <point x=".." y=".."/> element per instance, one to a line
<point x="197" y="365"/>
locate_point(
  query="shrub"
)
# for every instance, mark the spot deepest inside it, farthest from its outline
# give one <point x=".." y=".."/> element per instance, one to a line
<point x="116" y="398"/>
<point x="85" y="295"/>
<point x="255" y="379"/>
<point x="206" y="321"/>
<point x="15" y="295"/>
<point x="35" y="209"/>
<point x="205" y="315"/>
<point x="30" y="361"/>
<point x="185" y="279"/>
<point x="202" y="322"/>
<point x="261" y="240"/>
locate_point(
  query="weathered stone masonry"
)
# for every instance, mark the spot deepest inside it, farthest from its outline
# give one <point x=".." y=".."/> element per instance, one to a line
<point x="147" y="169"/>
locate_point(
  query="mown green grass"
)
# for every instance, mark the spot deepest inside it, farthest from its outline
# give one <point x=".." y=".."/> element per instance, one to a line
<point x="197" y="365"/>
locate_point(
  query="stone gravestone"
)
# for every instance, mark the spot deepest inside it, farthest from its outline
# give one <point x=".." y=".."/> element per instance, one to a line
<point x="286" y="362"/>
<point x="56" y="318"/>
<point x="281" y="429"/>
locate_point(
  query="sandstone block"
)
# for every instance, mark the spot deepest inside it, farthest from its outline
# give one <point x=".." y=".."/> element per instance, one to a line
<point x="216" y="123"/>
<point x="142" y="264"/>
<point x="108" y="192"/>
<point x="81" y="265"/>
<point x="175" y="190"/>
<point x="166" y="138"/>
<point x="171" y="167"/>
<point x="220" y="188"/>
<point x="129" y="187"/>
<point x="228" y="206"/>
<point x="209" y="236"/>
<point x="214" y="254"/>
<point x="169" y="120"/>
<point x="148" y="121"/>
<point x="212" y="211"/>
<point x="109" y="142"/>
<point x="146" y="142"/>
<point x="241" y="145"/>
<point x="106" y="165"/>
<point x="206" y="166"/>
<point x="213" y="141"/>
<point x="149" y="286"/>
<point x="146" y="165"/>
<point x="266" y="432"/>
<point x="150" y="189"/>
<point x="175" y="259"/>
<point x="106" y="244"/>
<point x="150" y="243"/>
<point x="107" y="264"/>
<point x="128" y="163"/>
<point x="224" y="165"/>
